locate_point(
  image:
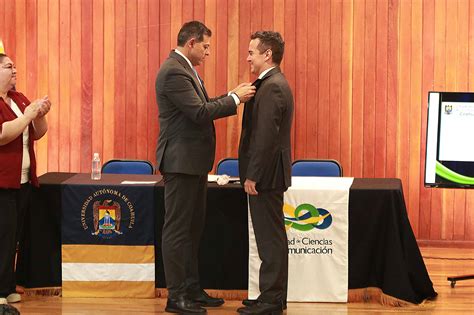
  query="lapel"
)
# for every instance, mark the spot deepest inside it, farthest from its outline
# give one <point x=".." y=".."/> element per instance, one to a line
<point x="248" y="109"/>
<point x="197" y="85"/>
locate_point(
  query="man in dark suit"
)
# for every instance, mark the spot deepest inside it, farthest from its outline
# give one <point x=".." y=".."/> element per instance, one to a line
<point x="265" y="168"/>
<point x="185" y="155"/>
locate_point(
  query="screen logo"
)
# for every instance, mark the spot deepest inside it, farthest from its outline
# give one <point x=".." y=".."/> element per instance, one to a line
<point x="448" y="109"/>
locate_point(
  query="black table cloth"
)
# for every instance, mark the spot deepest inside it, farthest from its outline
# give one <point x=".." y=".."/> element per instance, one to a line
<point x="383" y="252"/>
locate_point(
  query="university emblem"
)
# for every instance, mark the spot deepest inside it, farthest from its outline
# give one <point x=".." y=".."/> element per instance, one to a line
<point x="306" y="217"/>
<point x="106" y="217"/>
<point x="107" y="213"/>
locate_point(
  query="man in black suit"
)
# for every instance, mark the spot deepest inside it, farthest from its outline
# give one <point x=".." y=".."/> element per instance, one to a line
<point x="185" y="155"/>
<point x="265" y="168"/>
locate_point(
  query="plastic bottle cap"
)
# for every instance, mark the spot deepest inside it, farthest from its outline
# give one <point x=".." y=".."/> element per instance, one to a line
<point x="96" y="155"/>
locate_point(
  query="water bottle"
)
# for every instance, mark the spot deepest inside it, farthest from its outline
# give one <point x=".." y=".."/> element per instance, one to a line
<point x="96" y="167"/>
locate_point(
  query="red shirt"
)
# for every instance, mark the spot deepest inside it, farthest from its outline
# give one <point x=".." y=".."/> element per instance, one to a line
<point x="11" y="154"/>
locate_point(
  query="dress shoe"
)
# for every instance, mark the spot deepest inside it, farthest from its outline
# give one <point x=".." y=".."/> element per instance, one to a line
<point x="261" y="308"/>
<point x="183" y="305"/>
<point x="250" y="302"/>
<point x="6" y="309"/>
<point x="13" y="298"/>
<point x="203" y="299"/>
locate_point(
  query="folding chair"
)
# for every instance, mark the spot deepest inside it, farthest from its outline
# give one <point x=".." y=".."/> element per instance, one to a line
<point x="316" y="168"/>
<point x="128" y="167"/>
<point x="229" y="166"/>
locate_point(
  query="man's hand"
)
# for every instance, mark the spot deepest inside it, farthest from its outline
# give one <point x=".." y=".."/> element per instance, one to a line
<point x="245" y="91"/>
<point x="249" y="187"/>
<point x="239" y="86"/>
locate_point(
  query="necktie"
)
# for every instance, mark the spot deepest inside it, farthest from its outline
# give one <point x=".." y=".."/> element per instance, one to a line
<point x="247" y="117"/>
<point x="203" y="89"/>
<point x="197" y="76"/>
<point x="257" y="83"/>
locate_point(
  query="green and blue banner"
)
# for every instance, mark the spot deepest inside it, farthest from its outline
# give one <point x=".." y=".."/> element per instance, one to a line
<point x="317" y="226"/>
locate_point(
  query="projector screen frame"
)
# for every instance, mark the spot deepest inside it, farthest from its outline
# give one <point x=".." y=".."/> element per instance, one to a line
<point x="436" y="174"/>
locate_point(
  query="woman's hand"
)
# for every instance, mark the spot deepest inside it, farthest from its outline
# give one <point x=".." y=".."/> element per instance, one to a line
<point x="44" y="107"/>
<point x="32" y="111"/>
<point x="39" y="123"/>
<point x="38" y="108"/>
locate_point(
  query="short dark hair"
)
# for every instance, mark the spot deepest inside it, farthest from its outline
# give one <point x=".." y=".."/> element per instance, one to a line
<point x="192" y="29"/>
<point x="2" y="56"/>
<point x="270" y="40"/>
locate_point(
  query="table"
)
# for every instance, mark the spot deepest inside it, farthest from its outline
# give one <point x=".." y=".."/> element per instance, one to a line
<point x="383" y="252"/>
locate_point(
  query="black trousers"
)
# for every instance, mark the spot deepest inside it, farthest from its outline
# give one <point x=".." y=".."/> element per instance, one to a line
<point x="185" y="214"/>
<point x="266" y="211"/>
<point x="14" y="204"/>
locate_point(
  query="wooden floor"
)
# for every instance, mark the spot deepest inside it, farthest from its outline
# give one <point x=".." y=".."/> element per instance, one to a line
<point x="439" y="261"/>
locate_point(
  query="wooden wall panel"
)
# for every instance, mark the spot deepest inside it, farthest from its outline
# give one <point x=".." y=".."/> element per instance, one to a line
<point x="370" y="45"/>
<point x="392" y="93"/>
<point x="153" y="66"/>
<point x="42" y="72"/>
<point x="451" y="83"/>
<point x="335" y="80"/>
<point x="381" y="89"/>
<point x="121" y="83"/>
<point x="221" y="54"/>
<point x="461" y="62"/>
<point x="131" y="77"/>
<point x="289" y="63"/>
<point x="360" y="71"/>
<point x="233" y="126"/>
<point x="415" y="111"/>
<point x="358" y="83"/>
<point x="322" y="101"/>
<point x="308" y="145"/>
<point x="403" y="114"/>
<point x="439" y="84"/>
<point x="81" y="101"/>
<point x="427" y="85"/>
<point x="9" y="21"/>
<point x="176" y="17"/>
<point x="346" y="86"/>
<point x="97" y="62"/>
<point x="31" y="47"/>
<point x="53" y="84"/>
<point x="3" y="32"/>
<point x="303" y="60"/>
<point x="469" y="221"/>
<point x="64" y="87"/>
<point x="109" y="81"/>
<point x="143" y="80"/>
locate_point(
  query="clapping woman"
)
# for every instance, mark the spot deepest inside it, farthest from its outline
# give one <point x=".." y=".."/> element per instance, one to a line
<point x="21" y="123"/>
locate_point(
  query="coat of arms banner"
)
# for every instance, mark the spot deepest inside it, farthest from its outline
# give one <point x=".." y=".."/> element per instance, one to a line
<point x="107" y="240"/>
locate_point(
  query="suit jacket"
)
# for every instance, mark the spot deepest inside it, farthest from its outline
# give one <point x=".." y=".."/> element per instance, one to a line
<point x="265" y="144"/>
<point x="187" y="139"/>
